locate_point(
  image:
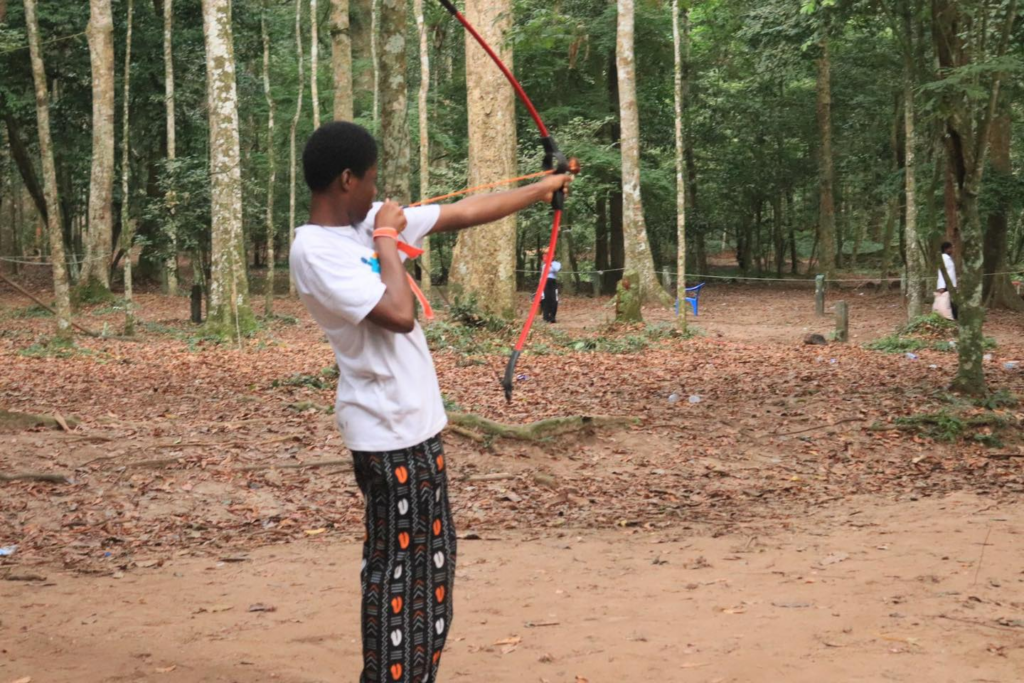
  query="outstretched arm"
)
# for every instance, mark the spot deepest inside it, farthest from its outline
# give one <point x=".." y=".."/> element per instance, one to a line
<point x="487" y="208"/>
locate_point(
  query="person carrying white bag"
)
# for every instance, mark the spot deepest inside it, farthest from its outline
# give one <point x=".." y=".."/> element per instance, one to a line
<point x="943" y="304"/>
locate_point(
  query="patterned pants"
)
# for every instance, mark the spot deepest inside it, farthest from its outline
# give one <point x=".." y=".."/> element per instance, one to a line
<point x="408" y="562"/>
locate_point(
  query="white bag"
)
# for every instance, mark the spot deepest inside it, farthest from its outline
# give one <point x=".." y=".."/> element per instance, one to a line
<point x="943" y="305"/>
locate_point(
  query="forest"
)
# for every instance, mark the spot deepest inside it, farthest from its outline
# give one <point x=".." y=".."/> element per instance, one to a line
<point x="695" y="420"/>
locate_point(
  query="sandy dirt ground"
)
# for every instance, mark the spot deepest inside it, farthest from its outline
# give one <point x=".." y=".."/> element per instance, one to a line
<point x="865" y="591"/>
<point x="783" y="527"/>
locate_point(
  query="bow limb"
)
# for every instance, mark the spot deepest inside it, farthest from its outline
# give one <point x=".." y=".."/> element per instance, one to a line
<point x="553" y="160"/>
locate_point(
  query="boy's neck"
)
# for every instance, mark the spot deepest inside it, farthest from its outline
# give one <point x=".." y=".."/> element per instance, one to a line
<point x="323" y="211"/>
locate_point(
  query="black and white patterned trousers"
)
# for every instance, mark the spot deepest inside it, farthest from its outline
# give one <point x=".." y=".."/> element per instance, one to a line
<point x="408" y="562"/>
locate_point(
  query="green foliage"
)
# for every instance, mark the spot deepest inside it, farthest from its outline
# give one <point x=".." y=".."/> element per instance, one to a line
<point x="949" y="426"/>
<point x="91" y="293"/>
<point x="931" y="325"/>
<point x="895" y="343"/>
<point x="33" y="311"/>
<point x="325" y="379"/>
<point x="54" y="347"/>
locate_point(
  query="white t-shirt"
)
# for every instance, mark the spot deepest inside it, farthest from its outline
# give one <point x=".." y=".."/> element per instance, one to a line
<point x="388" y="397"/>
<point x="950" y="268"/>
<point x="555" y="267"/>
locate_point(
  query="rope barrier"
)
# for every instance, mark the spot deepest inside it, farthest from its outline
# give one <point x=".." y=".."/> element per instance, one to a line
<point x="863" y="280"/>
<point x="45" y="42"/>
<point x="22" y="261"/>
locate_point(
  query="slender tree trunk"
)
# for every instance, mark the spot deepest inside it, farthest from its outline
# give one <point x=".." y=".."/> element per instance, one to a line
<point x="638" y="252"/>
<point x="915" y="256"/>
<point x="968" y="127"/>
<point x="601" y="246"/>
<point x="362" y="56"/>
<point x="96" y="268"/>
<point x="394" y="106"/>
<point x="268" y="302"/>
<point x="424" y="91"/>
<point x="826" y="207"/>
<point x="680" y="95"/>
<point x="314" y="53"/>
<point x="291" y="138"/>
<point x="172" y="152"/>
<point x="375" y="35"/>
<point x="3" y="11"/>
<point x="60" y="277"/>
<point x="617" y="243"/>
<point x="229" y="290"/>
<point x="997" y="289"/>
<point x="484" y="261"/>
<point x="341" y="60"/>
<point x="127" y="227"/>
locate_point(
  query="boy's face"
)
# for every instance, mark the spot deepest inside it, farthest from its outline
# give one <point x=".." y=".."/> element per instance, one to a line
<point x="361" y="193"/>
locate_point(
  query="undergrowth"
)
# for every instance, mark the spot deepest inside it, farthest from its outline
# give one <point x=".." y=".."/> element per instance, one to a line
<point x="325" y="379"/>
<point x="923" y="333"/>
<point x="33" y="311"/>
<point x="952" y="426"/>
<point x="54" y="347"/>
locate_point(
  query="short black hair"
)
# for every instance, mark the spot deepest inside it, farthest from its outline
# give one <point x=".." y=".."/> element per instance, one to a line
<point x="335" y="147"/>
<point x="945" y="246"/>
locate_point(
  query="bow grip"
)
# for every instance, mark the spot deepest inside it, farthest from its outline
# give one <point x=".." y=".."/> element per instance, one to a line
<point x="555" y="159"/>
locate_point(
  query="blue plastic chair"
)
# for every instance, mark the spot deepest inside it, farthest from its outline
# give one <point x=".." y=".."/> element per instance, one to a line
<point x="692" y="300"/>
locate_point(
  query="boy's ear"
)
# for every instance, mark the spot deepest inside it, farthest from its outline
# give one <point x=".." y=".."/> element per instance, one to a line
<point x="345" y="180"/>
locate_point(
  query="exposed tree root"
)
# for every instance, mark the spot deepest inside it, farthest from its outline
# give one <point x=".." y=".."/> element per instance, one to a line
<point x="17" y="421"/>
<point x="536" y="431"/>
<point x="35" y="476"/>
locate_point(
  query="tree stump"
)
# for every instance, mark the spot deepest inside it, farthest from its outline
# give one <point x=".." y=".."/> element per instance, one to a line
<point x="842" y="322"/>
<point x="628" y="299"/>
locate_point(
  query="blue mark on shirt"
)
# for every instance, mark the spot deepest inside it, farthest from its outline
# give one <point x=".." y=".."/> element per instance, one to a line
<point x="374" y="263"/>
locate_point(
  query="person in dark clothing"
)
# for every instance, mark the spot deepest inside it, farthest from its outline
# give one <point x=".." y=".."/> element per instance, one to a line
<point x="549" y="300"/>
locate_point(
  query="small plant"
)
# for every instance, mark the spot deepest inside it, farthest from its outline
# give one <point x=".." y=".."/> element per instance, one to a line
<point x="325" y="379"/>
<point x="894" y="343"/>
<point x="931" y="325"/>
<point x="34" y="311"/>
<point x="948" y="426"/>
<point x="91" y="293"/>
<point x="53" y="347"/>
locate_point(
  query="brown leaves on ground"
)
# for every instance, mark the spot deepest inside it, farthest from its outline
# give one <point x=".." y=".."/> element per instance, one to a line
<point x="189" y="447"/>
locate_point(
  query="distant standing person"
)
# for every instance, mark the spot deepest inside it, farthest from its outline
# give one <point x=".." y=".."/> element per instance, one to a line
<point x="549" y="300"/>
<point x="947" y="260"/>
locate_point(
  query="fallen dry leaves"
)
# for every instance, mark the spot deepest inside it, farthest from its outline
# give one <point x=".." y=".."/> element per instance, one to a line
<point x="188" y="447"/>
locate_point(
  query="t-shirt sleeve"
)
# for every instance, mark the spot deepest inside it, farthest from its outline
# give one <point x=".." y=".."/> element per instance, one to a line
<point x="341" y="282"/>
<point x="419" y="222"/>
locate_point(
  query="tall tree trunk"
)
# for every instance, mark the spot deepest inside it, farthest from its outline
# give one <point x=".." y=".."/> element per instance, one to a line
<point x="96" y="268"/>
<point x="291" y="138"/>
<point x="172" y="153"/>
<point x="680" y="97"/>
<point x="341" y="60"/>
<point x="127" y="227"/>
<point x="967" y="141"/>
<point x="484" y="262"/>
<point x="826" y="206"/>
<point x="268" y="301"/>
<point x="229" y="290"/>
<point x="424" y="91"/>
<point x="23" y="160"/>
<point x="915" y="255"/>
<point x="638" y="252"/>
<point x="53" y="221"/>
<point x="617" y="243"/>
<point x="361" y="17"/>
<point x="375" y="40"/>
<point x="314" y="71"/>
<point x="601" y="244"/>
<point x="394" y="105"/>
<point x="997" y="289"/>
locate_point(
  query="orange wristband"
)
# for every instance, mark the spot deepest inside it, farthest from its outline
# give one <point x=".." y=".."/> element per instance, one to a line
<point x="390" y="233"/>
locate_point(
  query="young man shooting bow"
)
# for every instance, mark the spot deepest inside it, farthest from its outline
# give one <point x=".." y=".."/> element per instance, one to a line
<point x="348" y="271"/>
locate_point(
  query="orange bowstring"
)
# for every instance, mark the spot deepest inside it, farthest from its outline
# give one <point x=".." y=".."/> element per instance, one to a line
<point x="497" y="183"/>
